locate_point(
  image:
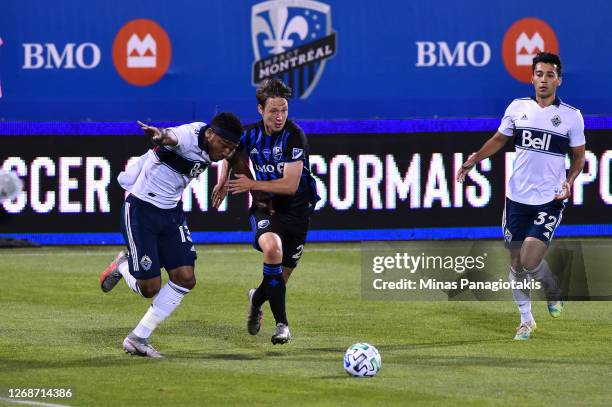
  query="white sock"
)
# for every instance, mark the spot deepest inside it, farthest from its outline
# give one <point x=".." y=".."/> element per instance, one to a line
<point x="543" y="274"/>
<point x="130" y="280"/>
<point x="522" y="298"/>
<point x="166" y="301"/>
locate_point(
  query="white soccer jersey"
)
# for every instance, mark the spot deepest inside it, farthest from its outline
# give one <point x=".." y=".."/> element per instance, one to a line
<point x="542" y="137"/>
<point x="161" y="174"/>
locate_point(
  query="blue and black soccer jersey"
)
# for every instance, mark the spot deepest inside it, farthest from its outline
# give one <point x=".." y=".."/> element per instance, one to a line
<point x="270" y="153"/>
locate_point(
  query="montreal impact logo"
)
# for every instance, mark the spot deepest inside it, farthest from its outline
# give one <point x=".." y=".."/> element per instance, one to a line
<point x="292" y="39"/>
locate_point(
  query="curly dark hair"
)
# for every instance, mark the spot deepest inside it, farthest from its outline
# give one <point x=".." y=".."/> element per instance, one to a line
<point x="547" y="58"/>
<point x="272" y="88"/>
<point x="227" y="125"/>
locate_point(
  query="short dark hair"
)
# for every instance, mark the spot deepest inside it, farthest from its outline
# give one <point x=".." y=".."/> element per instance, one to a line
<point x="226" y="125"/>
<point x="547" y="58"/>
<point x="272" y="88"/>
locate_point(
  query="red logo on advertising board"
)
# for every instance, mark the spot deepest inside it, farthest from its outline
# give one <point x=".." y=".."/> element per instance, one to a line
<point x="523" y="40"/>
<point x="142" y="52"/>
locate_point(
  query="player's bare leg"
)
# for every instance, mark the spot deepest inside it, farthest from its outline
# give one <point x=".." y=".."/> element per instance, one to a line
<point x="287" y="273"/>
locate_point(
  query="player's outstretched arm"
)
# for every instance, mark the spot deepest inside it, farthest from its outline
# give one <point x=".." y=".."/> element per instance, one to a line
<point x="576" y="166"/>
<point x="492" y="146"/>
<point x="159" y="136"/>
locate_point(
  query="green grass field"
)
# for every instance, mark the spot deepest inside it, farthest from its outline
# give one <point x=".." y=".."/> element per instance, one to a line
<point x="57" y="329"/>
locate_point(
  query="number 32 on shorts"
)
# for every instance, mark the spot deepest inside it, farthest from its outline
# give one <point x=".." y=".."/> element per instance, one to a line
<point x="549" y="225"/>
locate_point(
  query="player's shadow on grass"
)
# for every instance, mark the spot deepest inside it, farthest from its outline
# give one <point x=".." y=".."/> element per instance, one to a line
<point x="103" y="337"/>
<point x="118" y="359"/>
<point x="204" y="330"/>
<point x="213" y="356"/>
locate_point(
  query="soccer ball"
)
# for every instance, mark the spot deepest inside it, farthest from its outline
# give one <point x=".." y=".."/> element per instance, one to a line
<point x="10" y="185"/>
<point x="362" y="360"/>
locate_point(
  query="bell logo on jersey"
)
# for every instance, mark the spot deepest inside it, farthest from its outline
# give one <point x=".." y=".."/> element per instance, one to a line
<point x="528" y="140"/>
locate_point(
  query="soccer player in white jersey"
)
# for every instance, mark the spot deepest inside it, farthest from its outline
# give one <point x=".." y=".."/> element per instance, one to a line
<point x="544" y="130"/>
<point x="153" y="222"/>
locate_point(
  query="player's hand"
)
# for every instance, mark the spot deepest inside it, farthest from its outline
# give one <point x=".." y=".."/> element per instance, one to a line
<point x="153" y="132"/>
<point x="466" y="167"/>
<point x="218" y="194"/>
<point x="241" y="184"/>
<point x="566" y="192"/>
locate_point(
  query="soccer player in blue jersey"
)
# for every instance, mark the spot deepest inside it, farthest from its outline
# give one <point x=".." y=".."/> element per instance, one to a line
<point x="278" y="150"/>
<point x="153" y="222"/>
<point x="543" y="130"/>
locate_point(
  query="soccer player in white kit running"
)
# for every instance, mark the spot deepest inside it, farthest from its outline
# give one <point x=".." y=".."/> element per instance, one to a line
<point x="544" y="130"/>
<point x="153" y="223"/>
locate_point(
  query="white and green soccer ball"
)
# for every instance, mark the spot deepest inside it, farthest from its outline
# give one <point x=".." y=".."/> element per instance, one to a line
<point x="362" y="360"/>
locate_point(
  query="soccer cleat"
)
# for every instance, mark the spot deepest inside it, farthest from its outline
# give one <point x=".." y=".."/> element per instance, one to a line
<point x="254" y="315"/>
<point x="555" y="308"/>
<point x="524" y="330"/>
<point x="140" y="347"/>
<point x="281" y="334"/>
<point x="111" y="275"/>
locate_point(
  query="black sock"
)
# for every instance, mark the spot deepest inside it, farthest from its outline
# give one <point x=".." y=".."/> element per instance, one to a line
<point x="275" y="290"/>
<point x="261" y="295"/>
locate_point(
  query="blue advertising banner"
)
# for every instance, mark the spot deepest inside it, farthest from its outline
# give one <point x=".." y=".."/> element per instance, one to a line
<point x="185" y="60"/>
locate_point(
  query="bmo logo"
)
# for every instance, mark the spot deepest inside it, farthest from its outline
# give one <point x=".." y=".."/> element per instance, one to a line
<point x="69" y="56"/>
<point x="539" y="142"/>
<point x="268" y="168"/>
<point x="461" y="54"/>
<point x="522" y="42"/>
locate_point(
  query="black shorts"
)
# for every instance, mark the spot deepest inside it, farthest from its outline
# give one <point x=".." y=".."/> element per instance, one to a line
<point x="155" y="238"/>
<point x="521" y="221"/>
<point x="292" y="231"/>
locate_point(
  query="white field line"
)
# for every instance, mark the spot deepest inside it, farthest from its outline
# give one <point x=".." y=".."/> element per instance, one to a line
<point x="31" y="403"/>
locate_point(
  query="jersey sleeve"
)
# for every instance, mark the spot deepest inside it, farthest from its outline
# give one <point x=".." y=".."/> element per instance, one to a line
<point x="242" y="144"/>
<point x="507" y="123"/>
<point x="295" y="147"/>
<point x="187" y="134"/>
<point x="576" y="132"/>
